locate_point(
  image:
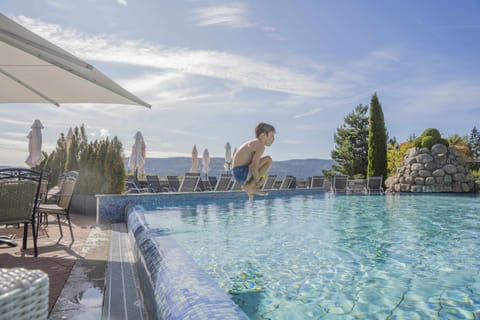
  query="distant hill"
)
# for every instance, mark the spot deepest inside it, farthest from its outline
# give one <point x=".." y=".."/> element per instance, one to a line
<point x="299" y="168"/>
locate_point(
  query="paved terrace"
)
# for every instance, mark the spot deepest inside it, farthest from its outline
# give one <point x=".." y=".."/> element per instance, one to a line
<point x="77" y="268"/>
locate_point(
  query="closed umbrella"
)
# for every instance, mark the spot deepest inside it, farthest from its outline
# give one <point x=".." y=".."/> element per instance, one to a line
<point x="35" y="155"/>
<point x="137" y="158"/>
<point x="34" y="70"/>
<point x="206" y="163"/>
<point x="228" y="158"/>
<point x="194" y="168"/>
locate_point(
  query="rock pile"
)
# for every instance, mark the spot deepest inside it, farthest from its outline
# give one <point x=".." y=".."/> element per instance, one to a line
<point x="439" y="169"/>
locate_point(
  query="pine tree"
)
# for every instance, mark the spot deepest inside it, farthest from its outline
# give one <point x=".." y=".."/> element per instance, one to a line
<point x="351" y="146"/>
<point x="377" y="140"/>
<point x="474" y="143"/>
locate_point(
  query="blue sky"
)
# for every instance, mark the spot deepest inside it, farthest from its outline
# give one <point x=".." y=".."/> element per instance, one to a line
<point x="213" y="69"/>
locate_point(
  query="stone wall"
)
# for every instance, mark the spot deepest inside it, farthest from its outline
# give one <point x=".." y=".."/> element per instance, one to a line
<point x="440" y="169"/>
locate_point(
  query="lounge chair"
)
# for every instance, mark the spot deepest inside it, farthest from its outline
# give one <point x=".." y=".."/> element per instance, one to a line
<point x="155" y="185"/>
<point x="189" y="182"/>
<point x="268" y="185"/>
<point x="301" y="184"/>
<point x="339" y="184"/>
<point x="173" y="183"/>
<point x="133" y="186"/>
<point x="62" y="207"/>
<point x="19" y="194"/>
<point x="374" y="184"/>
<point x="286" y="182"/>
<point x="356" y="185"/>
<point x="317" y="182"/>
<point x="223" y="182"/>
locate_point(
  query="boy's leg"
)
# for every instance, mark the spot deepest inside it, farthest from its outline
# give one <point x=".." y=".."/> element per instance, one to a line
<point x="250" y="186"/>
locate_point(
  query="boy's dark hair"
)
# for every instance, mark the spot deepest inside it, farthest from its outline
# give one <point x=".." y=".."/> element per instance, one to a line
<point x="263" y="127"/>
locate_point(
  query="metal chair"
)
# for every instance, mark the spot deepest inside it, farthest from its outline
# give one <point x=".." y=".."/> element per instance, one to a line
<point x="62" y="207"/>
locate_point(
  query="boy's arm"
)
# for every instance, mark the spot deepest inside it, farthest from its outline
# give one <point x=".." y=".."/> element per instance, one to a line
<point x="259" y="149"/>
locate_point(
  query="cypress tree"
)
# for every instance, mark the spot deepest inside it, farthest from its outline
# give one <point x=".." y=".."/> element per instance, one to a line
<point x="377" y="140"/>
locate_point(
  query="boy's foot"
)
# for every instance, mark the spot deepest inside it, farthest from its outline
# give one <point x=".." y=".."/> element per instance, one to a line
<point x="250" y="196"/>
<point x="253" y="190"/>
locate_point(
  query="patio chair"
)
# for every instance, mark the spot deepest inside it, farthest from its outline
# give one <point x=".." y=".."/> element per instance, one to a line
<point x="223" y="182"/>
<point x="19" y="194"/>
<point x="374" y="184"/>
<point x="317" y="182"/>
<point x="268" y="185"/>
<point x="173" y="183"/>
<point x="17" y="205"/>
<point x="286" y="182"/>
<point x="62" y="207"/>
<point x="189" y="182"/>
<point x="339" y="184"/>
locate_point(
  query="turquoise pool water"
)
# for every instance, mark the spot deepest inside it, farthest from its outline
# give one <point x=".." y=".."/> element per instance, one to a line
<point x="338" y="257"/>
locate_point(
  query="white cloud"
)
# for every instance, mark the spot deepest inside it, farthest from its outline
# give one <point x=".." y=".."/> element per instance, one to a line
<point x="122" y="3"/>
<point x="232" y="15"/>
<point x="215" y="64"/>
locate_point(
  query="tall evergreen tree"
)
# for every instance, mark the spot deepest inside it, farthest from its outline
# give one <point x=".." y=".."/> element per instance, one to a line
<point x="351" y="146"/>
<point x="377" y="140"/>
<point x="474" y="143"/>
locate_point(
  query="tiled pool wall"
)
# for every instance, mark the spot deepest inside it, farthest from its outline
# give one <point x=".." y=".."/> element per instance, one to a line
<point x="111" y="207"/>
<point x="174" y="286"/>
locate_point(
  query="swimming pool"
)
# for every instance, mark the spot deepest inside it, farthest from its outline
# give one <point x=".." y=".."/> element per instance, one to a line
<point x="337" y="257"/>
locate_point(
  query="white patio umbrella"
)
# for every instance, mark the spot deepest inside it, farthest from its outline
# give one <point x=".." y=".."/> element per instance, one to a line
<point x="206" y="163"/>
<point x="137" y="158"/>
<point x="35" y="155"/>
<point x="228" y="157"/>
<point x="33" y="70"/>
<point x="194" y="167"/>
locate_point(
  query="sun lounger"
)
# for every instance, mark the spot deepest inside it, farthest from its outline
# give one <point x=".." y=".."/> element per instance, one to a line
<point x="317" y="182"/>
<point x="374" y="184"/>
<point x="268" y="185"/>
<point x="189" y="182"/>
<point x="286" y="182"/>
<point x="339" y="184"/>
<point x="155" y="185"/>
<point x="133" y="186"/>
<point x="173" y="183"/>
<point x="356" y="185"/>
<point x="301" y="184"/>
<point x="223" y="182"/>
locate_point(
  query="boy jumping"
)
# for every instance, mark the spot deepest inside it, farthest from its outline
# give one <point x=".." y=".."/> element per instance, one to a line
<point x="249" y="167"/>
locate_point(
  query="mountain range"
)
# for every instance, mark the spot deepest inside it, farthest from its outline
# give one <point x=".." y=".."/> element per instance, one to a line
<point x="300" y="168"/>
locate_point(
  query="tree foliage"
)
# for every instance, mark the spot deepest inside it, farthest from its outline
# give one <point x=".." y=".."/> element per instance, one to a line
<point x="395" y="154"/>
<point x="99" y="163"/>
<point x="351" y="146"/>
<point x="474" y="143"/>
<point x="377" y="140"/>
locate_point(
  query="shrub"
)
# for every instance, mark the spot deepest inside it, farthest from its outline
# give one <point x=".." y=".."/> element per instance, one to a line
<point x="428" y="142"/>
<point x="433" y="133"/>
<point x="429" y="137"/>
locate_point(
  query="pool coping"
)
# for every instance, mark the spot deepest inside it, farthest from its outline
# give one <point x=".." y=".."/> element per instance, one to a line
<point x="173" y="285"/>
<point x="111" y="207"/>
